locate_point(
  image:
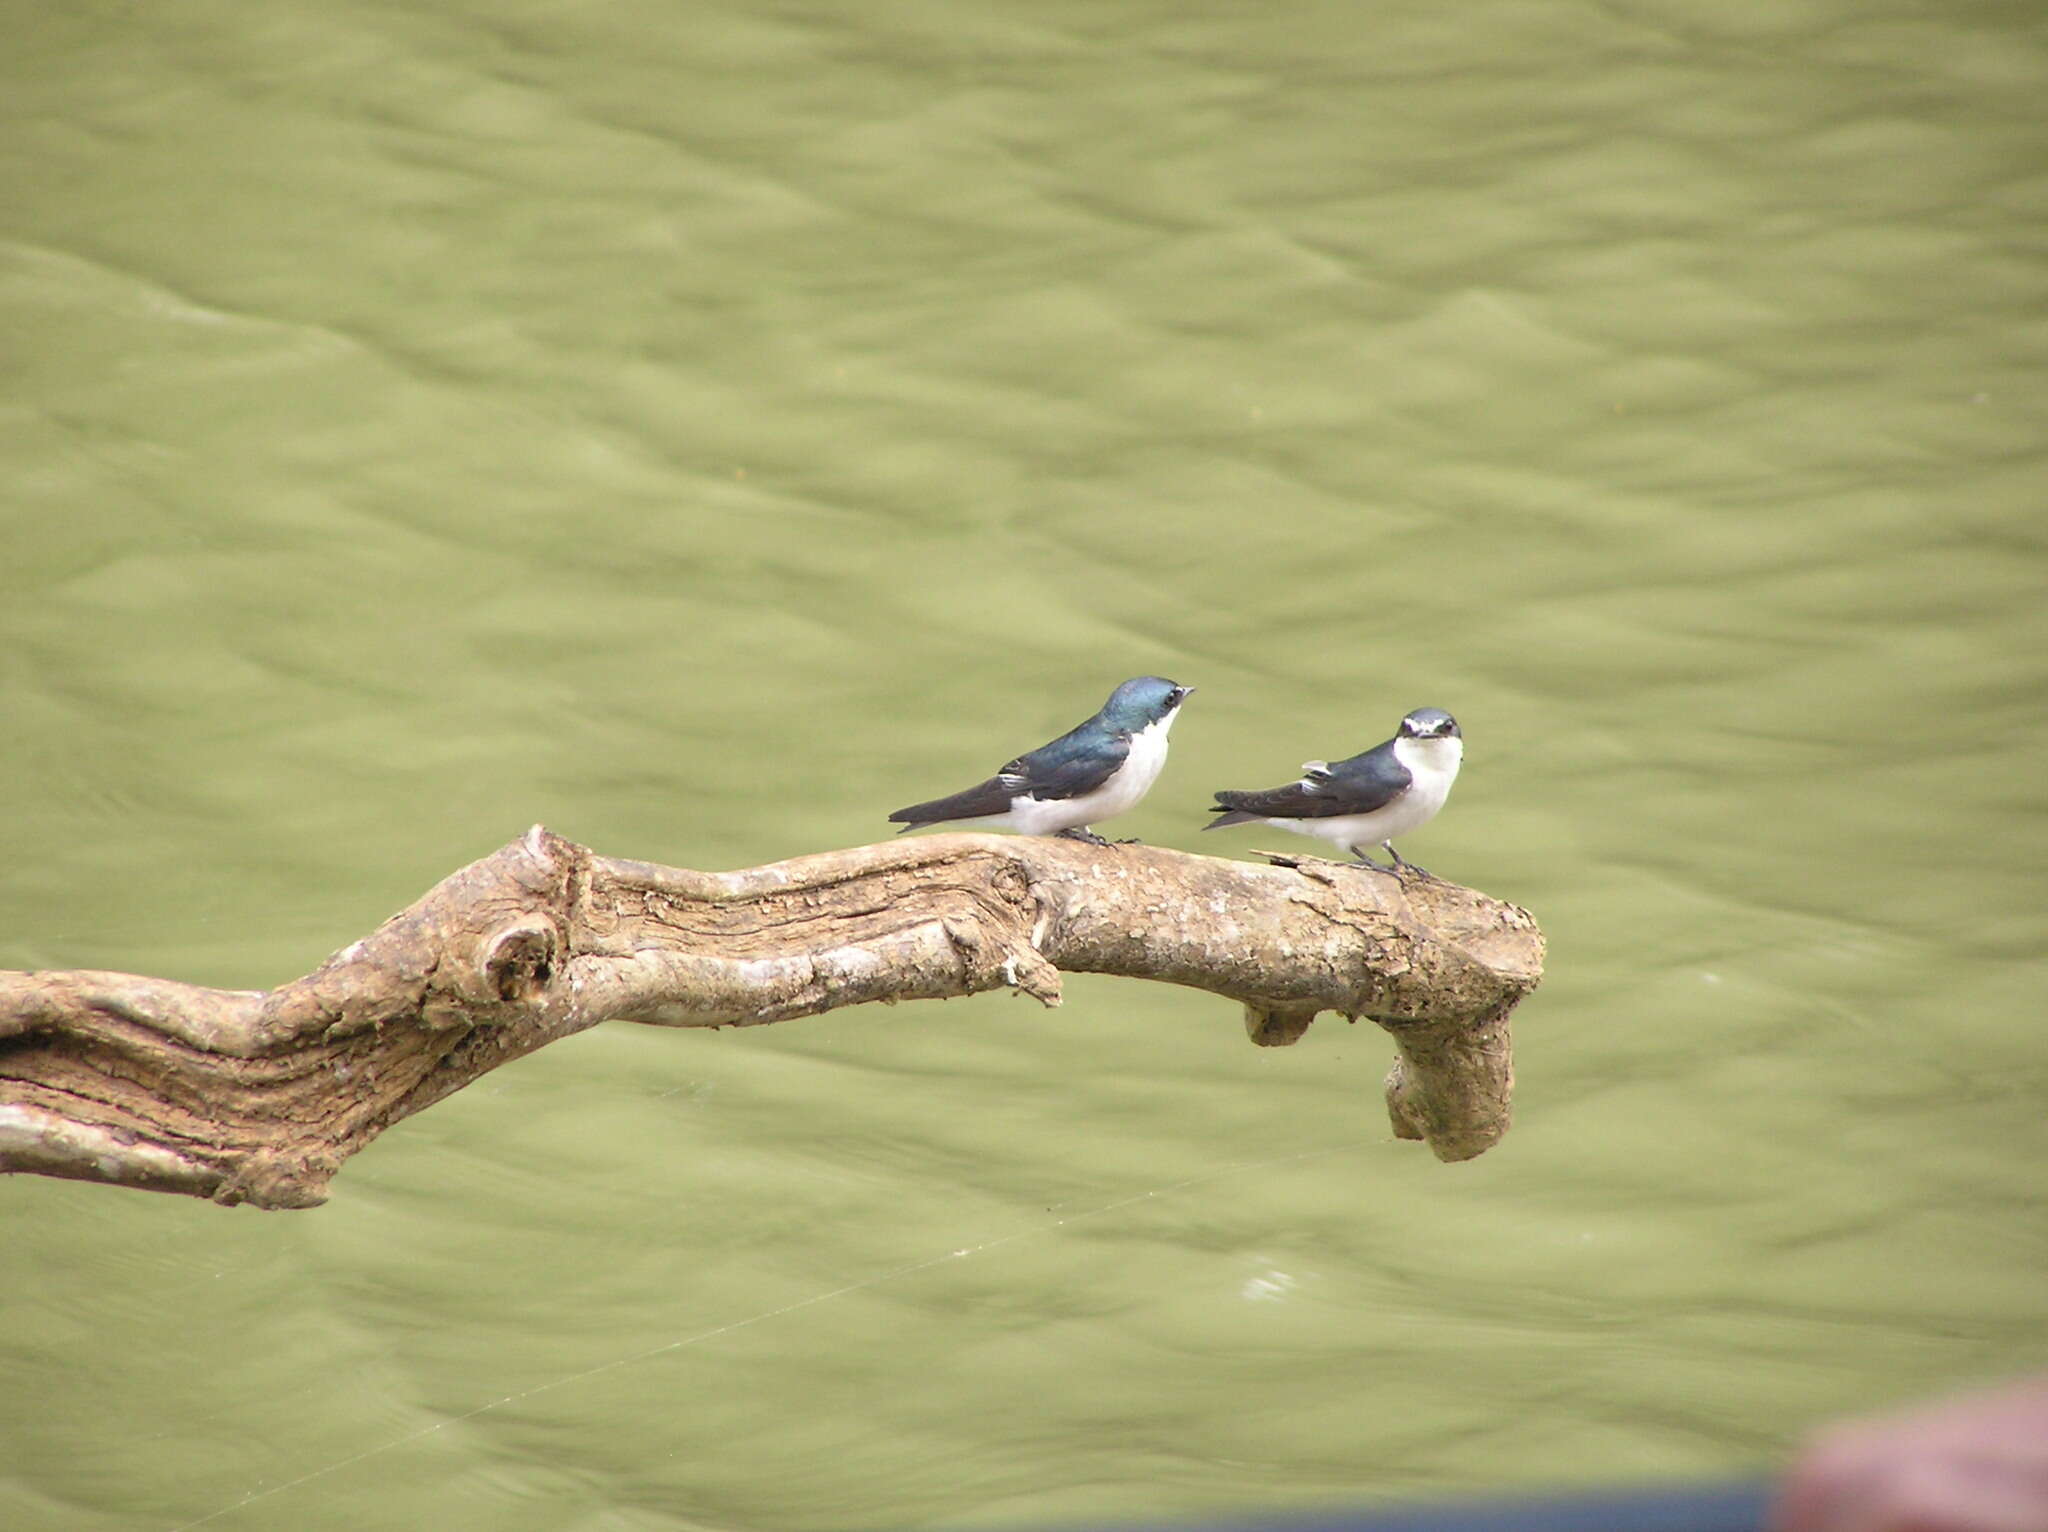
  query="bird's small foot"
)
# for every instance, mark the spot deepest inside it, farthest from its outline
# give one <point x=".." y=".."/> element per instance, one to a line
<point x="1080" y="833"/>
<point x="1404" y="869"/>
<point x="1359" y="859"/>
<point x="1129" y="840"/>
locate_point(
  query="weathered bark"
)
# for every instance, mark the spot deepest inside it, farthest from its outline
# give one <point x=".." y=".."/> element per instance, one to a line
<point x="259" y="1096"/>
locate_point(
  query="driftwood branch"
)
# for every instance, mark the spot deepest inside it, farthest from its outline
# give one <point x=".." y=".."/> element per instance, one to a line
<point x="259" y="1096"/>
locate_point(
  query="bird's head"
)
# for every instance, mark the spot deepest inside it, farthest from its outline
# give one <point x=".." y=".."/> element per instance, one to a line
<point x="1142" y="701"/>
<point x="1430" y="723"/>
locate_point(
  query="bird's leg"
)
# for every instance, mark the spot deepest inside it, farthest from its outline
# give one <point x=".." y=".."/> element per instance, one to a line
<point x="1080" y="833"/>
<point x="1362" y="860"/>
<point x="1402" y="866"/>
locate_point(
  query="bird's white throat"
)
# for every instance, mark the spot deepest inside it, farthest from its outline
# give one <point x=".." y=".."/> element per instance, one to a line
<point x="1130" y="782"/>
<point x="1147" y="759"/>
<point x="1431" y="757"/>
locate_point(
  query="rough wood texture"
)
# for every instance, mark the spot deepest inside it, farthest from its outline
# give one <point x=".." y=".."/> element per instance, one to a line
<point x="259" y="1096"/>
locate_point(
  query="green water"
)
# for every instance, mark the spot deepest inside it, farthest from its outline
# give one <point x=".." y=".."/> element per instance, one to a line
<point x="706" y="429"/>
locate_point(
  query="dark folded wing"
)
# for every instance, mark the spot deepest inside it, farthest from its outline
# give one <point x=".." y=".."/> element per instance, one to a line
<point x="1076" y="763"/>
<point x="1297" y="800"/>
<point x="1357" y="786"/>
<point x="990" y="797"/>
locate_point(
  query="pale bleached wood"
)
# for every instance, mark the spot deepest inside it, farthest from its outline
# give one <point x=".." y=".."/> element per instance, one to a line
<point x="259" y="1096"/>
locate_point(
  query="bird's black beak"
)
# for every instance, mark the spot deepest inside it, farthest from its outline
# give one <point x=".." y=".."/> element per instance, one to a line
<point x="1181" y="694"/>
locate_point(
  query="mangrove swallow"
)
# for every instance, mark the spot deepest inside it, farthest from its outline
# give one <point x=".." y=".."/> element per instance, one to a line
<point x="1087" y="775"/>
<point x="1367" y="800"/>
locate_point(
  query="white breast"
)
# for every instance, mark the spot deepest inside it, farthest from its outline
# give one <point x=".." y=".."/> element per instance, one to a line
<point x="1121" y="792"/>
<point x="1432" y="763"/>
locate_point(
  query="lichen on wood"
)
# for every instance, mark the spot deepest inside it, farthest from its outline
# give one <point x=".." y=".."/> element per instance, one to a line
<point x="258" y="1097"/>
